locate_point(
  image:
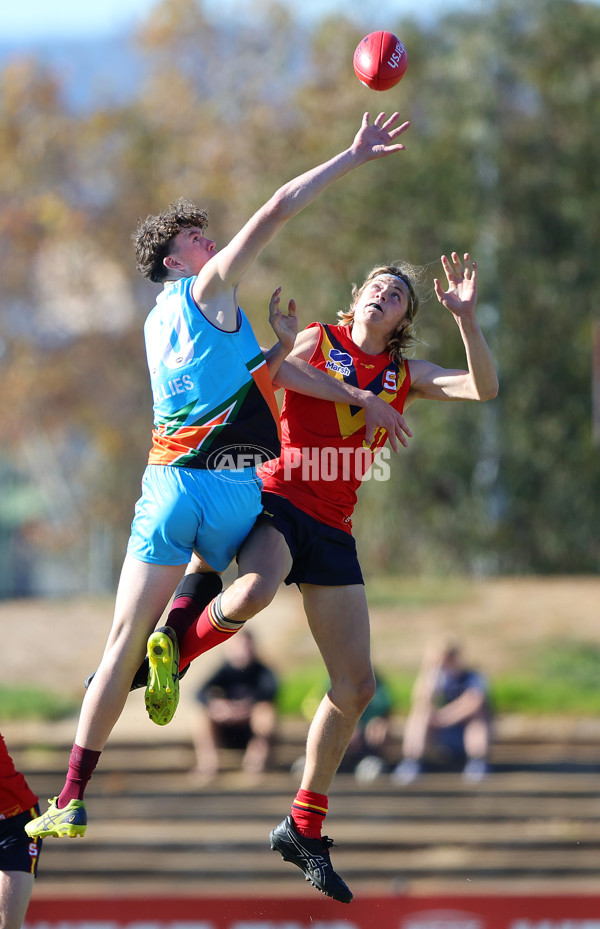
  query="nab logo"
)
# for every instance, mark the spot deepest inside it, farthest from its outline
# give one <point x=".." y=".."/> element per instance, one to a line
<point x="339" y="361"/>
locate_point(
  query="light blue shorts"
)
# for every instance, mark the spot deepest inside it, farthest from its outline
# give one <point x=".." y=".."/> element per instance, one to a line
<point x="182" y="509"/>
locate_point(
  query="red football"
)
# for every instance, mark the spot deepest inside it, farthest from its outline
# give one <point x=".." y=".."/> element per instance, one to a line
<point x="380" y="60"/>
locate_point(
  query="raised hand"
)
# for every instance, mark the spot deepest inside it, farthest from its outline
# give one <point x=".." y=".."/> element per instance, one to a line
<point x="460" y="296"/>
<point x="284" y="326"/>
<point x="376" y="139"/>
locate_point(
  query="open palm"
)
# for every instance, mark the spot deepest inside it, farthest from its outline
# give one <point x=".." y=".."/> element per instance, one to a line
<point x="460" y="295"/>
<point x="284" y="325"/>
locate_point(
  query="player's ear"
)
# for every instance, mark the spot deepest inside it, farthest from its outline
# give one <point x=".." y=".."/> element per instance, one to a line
<point x="172" y="263"/>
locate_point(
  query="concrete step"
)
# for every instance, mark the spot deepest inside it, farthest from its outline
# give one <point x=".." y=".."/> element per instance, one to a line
<point x="152" y="824"/>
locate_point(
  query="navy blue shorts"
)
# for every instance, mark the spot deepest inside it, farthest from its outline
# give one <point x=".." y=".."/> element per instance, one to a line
<point x="17" y="851"/>
<point x="321" y="554"/>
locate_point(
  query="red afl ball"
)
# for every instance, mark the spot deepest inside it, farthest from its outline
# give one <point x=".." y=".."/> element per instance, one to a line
<point x="380" y="60"/>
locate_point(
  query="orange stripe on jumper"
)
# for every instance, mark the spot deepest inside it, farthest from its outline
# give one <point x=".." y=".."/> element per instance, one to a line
<point x="168" y="447"/>
<point x="262" y="378"/>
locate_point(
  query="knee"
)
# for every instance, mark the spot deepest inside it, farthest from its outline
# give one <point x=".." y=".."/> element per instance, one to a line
<point x="352" y="696"/>
<point x="254" y="593"/>
<point x="366" y="691"/>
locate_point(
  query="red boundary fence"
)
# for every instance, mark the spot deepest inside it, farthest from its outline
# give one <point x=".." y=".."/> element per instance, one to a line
<point x="443" y="912"/>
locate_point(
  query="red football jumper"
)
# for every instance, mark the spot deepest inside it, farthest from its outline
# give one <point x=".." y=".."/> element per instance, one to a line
<point x="15" y="795"/>
<point x="323" y="458"/>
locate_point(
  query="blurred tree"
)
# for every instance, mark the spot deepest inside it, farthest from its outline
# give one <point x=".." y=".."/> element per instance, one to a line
<point x="513" y="487"/>
<point x="501" y="160"/>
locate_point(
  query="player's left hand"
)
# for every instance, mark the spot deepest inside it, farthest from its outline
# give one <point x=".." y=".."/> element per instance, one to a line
<point x="285" y="326"/>
<point x="460" y="296"/>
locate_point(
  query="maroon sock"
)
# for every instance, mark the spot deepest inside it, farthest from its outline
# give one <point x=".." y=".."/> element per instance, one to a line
<point x="82" y="762"/>
<point x="194" y="593"/>
<point x="308" y="812"/>
<point x="211" y="628"/>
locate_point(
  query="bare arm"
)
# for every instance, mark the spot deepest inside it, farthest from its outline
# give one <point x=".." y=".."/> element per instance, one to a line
<point x="297" y="374"/>
<point x="461" y="709"/>
<point x="424" y="688"/>
<point x="480" y="381"/>
<point x="230" y="711"/>
<point x="223" y="272"/>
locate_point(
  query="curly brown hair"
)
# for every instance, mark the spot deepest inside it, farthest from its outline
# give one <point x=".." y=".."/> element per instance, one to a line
<point x="404" y="337"/>
<point x="153" y="236"/>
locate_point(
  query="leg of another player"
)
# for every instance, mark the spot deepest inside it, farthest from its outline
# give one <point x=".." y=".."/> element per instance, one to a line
<point x="264" y="562"/>
<point x="15" y="893"/>
<point x="339" y="621"/>
<point x="142" y="596"/>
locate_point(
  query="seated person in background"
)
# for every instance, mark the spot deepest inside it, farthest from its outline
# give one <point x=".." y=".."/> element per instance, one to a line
<point x="450" y="708"/>
<point x="237" y="710"/>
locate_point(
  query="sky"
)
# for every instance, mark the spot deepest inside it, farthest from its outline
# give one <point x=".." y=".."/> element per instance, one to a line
<point x="29" y="21"/>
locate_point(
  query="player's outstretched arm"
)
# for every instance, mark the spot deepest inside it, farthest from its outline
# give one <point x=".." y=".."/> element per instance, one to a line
<point x="480" y="381"/>
<point x="377" y="139"/>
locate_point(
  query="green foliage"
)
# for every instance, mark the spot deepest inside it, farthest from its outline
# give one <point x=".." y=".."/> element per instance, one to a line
<point x="301" y="690"/>
<point x="561" y="680"/>
<point x="21" y="703"/>
<point x="400" y="688"/>
<point x="564" y="681"/>
<point x="502" y="160"/>
<point x="295" y="686"/>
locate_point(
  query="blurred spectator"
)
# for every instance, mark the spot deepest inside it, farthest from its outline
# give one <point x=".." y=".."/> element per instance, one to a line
<point x="451" y="712"/>
<point x="19" y="854"/>
<point x="237" y="710"/>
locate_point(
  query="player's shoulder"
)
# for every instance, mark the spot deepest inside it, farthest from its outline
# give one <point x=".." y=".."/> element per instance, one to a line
<point x="419" y="370"/>
<point x="310" y="336"/>
<point x="418" y="366"/>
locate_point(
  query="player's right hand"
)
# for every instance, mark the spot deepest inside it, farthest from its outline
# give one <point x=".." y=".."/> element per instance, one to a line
<point x="380" y="415"/>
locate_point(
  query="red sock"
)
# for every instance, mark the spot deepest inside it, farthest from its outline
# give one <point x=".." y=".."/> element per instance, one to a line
<point x="211" y="628"/>
<point x="82" y="762"/>
<point x="308" y="812"/>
